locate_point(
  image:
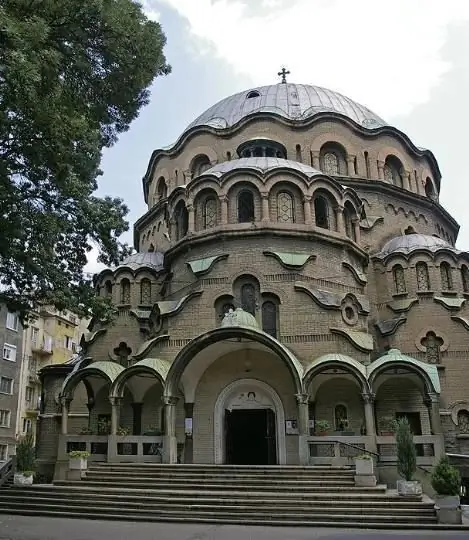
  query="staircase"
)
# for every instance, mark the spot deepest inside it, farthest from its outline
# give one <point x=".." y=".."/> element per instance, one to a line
<point x="255" y="495"/>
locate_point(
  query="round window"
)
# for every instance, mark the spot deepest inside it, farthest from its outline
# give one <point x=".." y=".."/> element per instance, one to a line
<point x="350" y="314"/>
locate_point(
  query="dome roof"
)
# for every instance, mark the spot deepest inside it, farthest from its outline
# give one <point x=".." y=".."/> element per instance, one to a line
<point x="262" y="164"/>
<point x="411" y="242"/>
<point x="148" y="259"/>
<point x="292" y="101"/>
<point x="239" y="317"/>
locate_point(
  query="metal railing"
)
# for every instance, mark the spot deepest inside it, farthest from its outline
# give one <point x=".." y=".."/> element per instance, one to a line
<point x="362" y="450"/>
<point x="7" y="470"/>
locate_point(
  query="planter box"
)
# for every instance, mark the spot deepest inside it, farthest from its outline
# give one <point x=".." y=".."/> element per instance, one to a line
<point x="447" y="501"/>
<point x="448" y="509"/>
<point x="19" y="479"/>
<point x="78" y="464"/>
<point x="364" y="467"/>
<point x="411" y="488"/>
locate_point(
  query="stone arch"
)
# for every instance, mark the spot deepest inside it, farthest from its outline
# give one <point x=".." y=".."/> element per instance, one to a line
<point x="330" y="361"/>
<point x="220" y="404"/>
<point x="285" y="186"/>
<point x="199" y="164"/>
<point x="108" y="371"/>
<point x="430" y="190"/>
<point x="152" y="366"/>
<point x="229" y="181"/>
<point x="206" y="207"/>
<point x="272" y="178"/>
<point x="199" y="150"/>
<point x="333" y="159"/>
<point x="198" y="344"/>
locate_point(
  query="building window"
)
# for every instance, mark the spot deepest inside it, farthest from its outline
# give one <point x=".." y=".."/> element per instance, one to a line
<point x="125" y="291"/>
<point x="27" y="425"/>
<point x="432" y="344"/>
<point x="199" y="165"/>
<point x="393" y="171"/>
<point x="226" y="308"/>
<point x="68" y="341"/>
<point x="269" y="318"/>
<point x="9" y="352"/>
<point x="463" y="422"/>
<point x="285" y="212"/>
<point x="399" y="279"/>
<point x="331" y="163"/>
<point x="210" y="213"/>
<point x="12" y="321"/>
<point x="246" y="207"/>
<point x="429" y="189"/>
<point x="6" y="385"/>
<point x="446" y="276"/>
<point x="5" y="416"/>
<point x="182" y="220"/>
<point x="29" y="394"/>
<point x="465" y="278"/>
<point x="248" y="298"/>
<point x="3" y="452"/>
<point x="32" y="364"/>
<point x="161" y="189"/>
<point x="341" y="418"/>
<point x="145" y="292"/>
<point x="423" y="279"/>
<point x="321" y="212"/>
<point x="349" y="215"/>
<point x="34" y="335"/>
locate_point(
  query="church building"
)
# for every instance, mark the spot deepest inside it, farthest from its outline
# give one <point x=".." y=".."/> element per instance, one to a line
<point x="295" y="288"/>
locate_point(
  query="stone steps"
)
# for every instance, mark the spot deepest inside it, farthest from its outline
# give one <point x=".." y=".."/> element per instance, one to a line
<point x="317" y="496"/>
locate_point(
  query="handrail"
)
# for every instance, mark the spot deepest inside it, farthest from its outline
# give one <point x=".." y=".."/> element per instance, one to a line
<point x="363" y="450"/>
<point x="7" y="470"/>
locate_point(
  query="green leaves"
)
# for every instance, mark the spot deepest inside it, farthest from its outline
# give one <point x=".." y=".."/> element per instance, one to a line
<point x="406" y="452"/>
<point x="73" y="75"/>
<point x="445" y="478"/>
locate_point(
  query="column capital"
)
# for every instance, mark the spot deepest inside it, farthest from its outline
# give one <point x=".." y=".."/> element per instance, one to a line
<point x="307" y="198"/>
<point x="170" y="400"/>
<point x="115" y="400"/>
<point x="381" y="164"/>
<point x="339" y="208"/>
<point x="223" y="198"/>
<point x="190" y="207"/>
<point x="264" y="195"/>
<point x="302" y="399"/>
<point x="315" y="153"/>
<point x="368" y="397"/>
<point x="431" y="397"/>
<point x="65" y="400"/>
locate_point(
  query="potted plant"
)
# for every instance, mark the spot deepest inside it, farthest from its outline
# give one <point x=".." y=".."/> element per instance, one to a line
<point x="122" y="431"/>
<point x="78" y="460"/>
<point x="406" y="460"/>
<point x="25" y="461"/>
<point x="322" y="427"/>
<point x="86" y="431"/>
<point x="387" y="425"/>
<point x="364" y="465"/>
<point x="446" y="481"/>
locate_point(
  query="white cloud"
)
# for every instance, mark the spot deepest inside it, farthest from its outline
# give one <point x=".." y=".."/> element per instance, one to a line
<point x="150" y="11"/>
<point x="383" y="54"/>
<point x="93" y="266"/>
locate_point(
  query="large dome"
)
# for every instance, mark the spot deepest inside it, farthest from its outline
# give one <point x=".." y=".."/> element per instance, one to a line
<point x="292" y="101"/>
<point x="412" y="242"/>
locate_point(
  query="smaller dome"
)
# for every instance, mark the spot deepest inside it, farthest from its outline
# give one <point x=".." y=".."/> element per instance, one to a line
<point x="262" y="164"/>
<point x="149" y="259"/>
<point x="412" y="242"/>
<point x="239" y="317"/>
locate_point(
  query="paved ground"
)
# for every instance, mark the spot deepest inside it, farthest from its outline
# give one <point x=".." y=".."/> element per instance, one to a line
<point x="32" y="528"/>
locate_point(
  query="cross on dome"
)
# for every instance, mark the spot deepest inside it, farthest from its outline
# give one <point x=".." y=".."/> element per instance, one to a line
<point x="283" y="73"/>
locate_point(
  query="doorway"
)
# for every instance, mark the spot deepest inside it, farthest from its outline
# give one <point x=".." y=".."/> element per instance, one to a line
<point x="250" y="437"/>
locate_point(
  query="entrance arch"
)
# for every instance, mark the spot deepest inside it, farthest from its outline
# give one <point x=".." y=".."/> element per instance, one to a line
<point x="267" y="399"/>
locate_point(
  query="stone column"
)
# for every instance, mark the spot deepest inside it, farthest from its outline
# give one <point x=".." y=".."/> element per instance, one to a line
<point x="356" y="226"/>
<point x="224" y="209"/>
<point x="137" y="418"/>
<point x="90" y="406"/>
<point x="170" y="442"/>
<point x="351" y="165"/>
<point x="115" y="413"/>
<point x="339" y="213"/>
<point x="381" y="170"/>
<point x="188" y="445"/>
<point x="190" y="218"/>
<point x="303" y="428"/>
<point x="316" y="160"/>
<point x="368" y="405"/>
<point x="406" y="180"/>
<point x="265" y="207"/>
<point x="307" y="209"/>
<point x="432" y="402"/>
<point x="65" y="410"/>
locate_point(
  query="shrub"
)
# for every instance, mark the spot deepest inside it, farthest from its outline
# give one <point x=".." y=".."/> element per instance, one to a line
<point x="25" y="455"/>
<point x="406" y="453"/>
<point x="365" y="456"/>
<point x="322" y="425"/>
<point x="79" y="454"/>
<point x="445" y="478"/>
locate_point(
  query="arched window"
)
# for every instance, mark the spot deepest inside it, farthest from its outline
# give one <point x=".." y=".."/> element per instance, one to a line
<point x="341" y="418"/>
<point x="246" y="207"/>
<point x="108" y="289"/>
<point x="331" y="163"/>
<point x="182" y="220"/>
<point x="269" y="318"/>
<point x="399" y="279"/>
<point x="423" y="279"/>
<point x="226" y="308"/>
<point x="210" y="213"/>
<point x="151" y="249"/>
<point x="321" y="212"/>
<point x="199" y="165"/>
<point x="446" y="277"/>
<point x="465" y="278"/>
<point x="432" y="344"/>
<point x="463" y="422"/>
<point x="145" y="292"/>
<point x="429" y="189"/>
<point x="125" y="291"/>
<point x="349" y="214"/>
<point x="161" y="189"/>
<point x="409" y="230"/>
<point x="248" y="298"/>
<point x="285" y="211"/>
<point x="393" y="171"/>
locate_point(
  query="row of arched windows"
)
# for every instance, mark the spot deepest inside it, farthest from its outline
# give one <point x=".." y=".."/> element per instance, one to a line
<point x="124" y="291"/>
<point x="423" y="277"/>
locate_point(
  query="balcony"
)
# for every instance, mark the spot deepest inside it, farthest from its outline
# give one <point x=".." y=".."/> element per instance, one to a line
<point x="43" y="347"/>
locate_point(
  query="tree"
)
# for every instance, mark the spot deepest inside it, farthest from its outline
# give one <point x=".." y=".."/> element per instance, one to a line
<point x="406" y="452"/>
<point x="73" y="75"/>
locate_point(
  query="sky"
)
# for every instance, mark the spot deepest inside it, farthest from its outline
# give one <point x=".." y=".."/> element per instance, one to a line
<point x="407" y="60"/>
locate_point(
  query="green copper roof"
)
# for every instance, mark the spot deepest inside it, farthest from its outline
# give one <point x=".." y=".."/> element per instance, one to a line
<point x="158" y="365"/>
<point x="110" y="369"/>
<point x="463" y="320"/>
<point x="361" y="340"/>
<point x="339" y="359"/>
<point x="402" y="305"/>
<point x="201" y="266"/>
<point x="290" y="259"/>
<point x="239" y="317"/>
<point x="450" y="303"/>
<point x="395" y="356"/>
